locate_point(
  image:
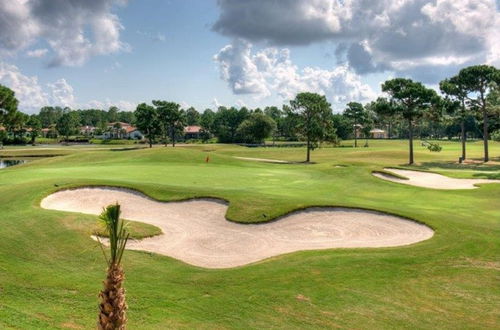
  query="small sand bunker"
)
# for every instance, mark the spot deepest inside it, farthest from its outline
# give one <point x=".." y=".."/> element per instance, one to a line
<point x="431" y="180"/>
<point x="265" y="160"/>
<point x="197" y="232"/>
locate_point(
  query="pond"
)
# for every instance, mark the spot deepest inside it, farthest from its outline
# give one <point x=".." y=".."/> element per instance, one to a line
<point x="11" y="162"/>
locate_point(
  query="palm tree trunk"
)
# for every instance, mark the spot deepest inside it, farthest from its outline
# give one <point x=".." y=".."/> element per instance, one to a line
<point x="308" y="158"/>
<point x="112" y="309"/>
<point x="410" y="137"/>
<point x="464" y="137"/>
<point x="485" y="134"/>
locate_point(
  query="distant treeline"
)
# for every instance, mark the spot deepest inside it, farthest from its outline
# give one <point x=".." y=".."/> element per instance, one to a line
<point x="467" y="107"/>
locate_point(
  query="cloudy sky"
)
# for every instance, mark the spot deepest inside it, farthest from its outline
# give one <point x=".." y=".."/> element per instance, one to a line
<point x="204" y="53"/>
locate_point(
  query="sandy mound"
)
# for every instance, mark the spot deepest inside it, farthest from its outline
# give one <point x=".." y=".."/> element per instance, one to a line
<point x="431" y="180"/>
<point x="197" y="232"/>
<point x="265" y="160"/>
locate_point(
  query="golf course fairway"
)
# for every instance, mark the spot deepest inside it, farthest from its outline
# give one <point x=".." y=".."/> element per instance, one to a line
<point x="51" y="270"/>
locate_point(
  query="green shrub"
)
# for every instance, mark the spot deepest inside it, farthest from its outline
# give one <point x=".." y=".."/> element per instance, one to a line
<point x="434" y="147"/>
<point x="495" y="136"/>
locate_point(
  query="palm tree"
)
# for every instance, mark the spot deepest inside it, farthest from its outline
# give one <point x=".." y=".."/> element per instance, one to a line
<point x="112" y="308"/>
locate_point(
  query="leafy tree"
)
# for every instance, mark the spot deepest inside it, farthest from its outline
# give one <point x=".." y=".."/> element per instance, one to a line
<point x="256" y="128"/>
<point x="112" y="114"/>
<point x="113" y="307"/>
<point x="15" y="123"/>
<point x="126" y="117"/>
<point x="147" y="121"/>
<point x="411" y="100"/>
<point x="478" y="81"/>
<point x="117" y="130"/>
<point x="385" y="112"/>
<point x="227" y="121"/>
<point x="67" y="124"/>
<point x="36" y="126"/>
<point x="456" y="95"/>
<point x="275" y="114"/>
<point x="207" y="124"/>
<point x="342" y="126"/>
<point x="172" y="119"/>
<point x="192" y="117"/>
<point x="357" y="116"/>
<point x="288" y="124"/>
<point x="50" y="115"/>
<point x="8" y="103"/>
<point x="313" y="115"/>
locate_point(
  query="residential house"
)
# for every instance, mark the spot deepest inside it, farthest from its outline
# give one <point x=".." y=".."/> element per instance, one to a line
<point x="192" y="132"/>
<point x="377" y="133"/>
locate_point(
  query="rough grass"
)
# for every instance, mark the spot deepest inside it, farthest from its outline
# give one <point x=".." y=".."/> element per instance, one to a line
<point x="51" y="271"/>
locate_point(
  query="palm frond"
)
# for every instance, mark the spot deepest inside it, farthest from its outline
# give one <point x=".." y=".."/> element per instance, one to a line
<point x="117" y="232"/>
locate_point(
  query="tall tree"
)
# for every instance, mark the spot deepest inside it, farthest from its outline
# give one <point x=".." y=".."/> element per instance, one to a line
<point x="277" y="115"/>
<point x="385" y="112"/>
<point x="411" y="99"/>
<point x="207" y="124"/>
<point x="456" y="93"/>
<point x="146" y="120"/>
<point x="113" y="114"/>
<point x="313" y="115"/>
<point x="356" y="115"/>
<point x="192" y="117"/>
<point x="256" y="128"/>
<point x="15" y="123"/>
<point x="478" y="81"/>
<point x="113" y="307"/>
<point x="50" y="115"/>
<point x="35" y="126"/>
<point x="172" y="119"/>
<point x="227" y="121"/>
<point x="8" y="103"/>
<point x="67" y="124"/>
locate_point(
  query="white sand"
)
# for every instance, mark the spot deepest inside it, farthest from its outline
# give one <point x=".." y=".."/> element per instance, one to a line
<point x="197" y="232"/>
<point x="265" y="160"/>
<point x="431" y="180"/>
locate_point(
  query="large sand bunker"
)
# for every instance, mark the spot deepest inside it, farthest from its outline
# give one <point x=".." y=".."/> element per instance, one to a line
<point x="197" y="232"/>
<point x="430" y="180"/>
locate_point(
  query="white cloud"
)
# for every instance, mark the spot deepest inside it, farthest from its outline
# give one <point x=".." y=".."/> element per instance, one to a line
<point x="40" y="52"/>
<point x="28" y="91"/>
<point x="158" y="36"/>
<point x="240" y="69"/>
<point x="215" y="103"/>
<point x="271" y="71"/>
<point x="32" y="95"/>
<point x="404" y="35"/>
<point x="61" y="93"/>
<point x="107" y="103"/>
<point x="240" y="103"/>
<point x="75" y="29"/>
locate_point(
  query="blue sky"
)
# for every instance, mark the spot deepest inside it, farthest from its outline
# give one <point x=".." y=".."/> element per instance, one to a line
<point x="256" y="52"/>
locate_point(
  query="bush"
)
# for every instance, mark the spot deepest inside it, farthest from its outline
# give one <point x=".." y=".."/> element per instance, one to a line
<point x="434" y="147"/>
<point x="495" y="136"/>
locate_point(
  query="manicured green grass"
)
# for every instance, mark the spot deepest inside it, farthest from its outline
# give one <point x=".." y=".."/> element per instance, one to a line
<point x="51" y="271"/>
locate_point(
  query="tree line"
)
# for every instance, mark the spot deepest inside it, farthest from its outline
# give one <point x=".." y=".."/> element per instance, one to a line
<point x="466" y="107"/>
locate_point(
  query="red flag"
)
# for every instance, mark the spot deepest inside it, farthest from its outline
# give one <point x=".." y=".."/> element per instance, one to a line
<point x="207" y="159"/>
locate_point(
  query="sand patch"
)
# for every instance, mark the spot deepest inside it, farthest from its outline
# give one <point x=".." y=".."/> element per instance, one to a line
<point x="430" y="180"/>
<point x="265" y="160"/>
<point x="197" y="232"/>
